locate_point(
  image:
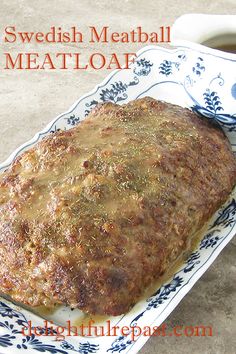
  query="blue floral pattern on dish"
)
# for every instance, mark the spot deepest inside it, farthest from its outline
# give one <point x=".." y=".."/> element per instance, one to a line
<point x="115" y="93"/>
<point x="143" y="67"/>
<point x="233" y="91"/>
<point x="120" y="344"/>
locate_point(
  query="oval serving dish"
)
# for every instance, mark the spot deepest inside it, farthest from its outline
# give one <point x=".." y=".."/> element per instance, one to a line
<point x="188" y="76"/>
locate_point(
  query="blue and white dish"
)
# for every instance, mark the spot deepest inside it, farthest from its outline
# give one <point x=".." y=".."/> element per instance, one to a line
<point x="194" y="78"/>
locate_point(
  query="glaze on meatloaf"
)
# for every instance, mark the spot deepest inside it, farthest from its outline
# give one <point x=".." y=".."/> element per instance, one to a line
<point x="89" y="217"/>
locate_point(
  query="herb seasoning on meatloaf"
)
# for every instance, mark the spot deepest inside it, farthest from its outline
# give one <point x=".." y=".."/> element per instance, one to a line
<point x="91" y="216"/>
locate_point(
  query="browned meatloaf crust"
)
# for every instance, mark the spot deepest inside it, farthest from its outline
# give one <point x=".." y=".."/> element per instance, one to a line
<point x="91" y="216"/>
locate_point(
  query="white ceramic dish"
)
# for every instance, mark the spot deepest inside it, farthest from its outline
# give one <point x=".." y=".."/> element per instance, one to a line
<point x="210" y="30"/>
<point x="205" y="82"/>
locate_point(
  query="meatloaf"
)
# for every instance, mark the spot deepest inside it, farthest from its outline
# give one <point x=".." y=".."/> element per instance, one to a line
<point x="89" y="217"/>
